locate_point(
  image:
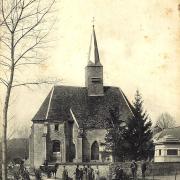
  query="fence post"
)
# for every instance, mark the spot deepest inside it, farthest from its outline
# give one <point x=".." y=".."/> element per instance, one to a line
<point x="175" y="174"/>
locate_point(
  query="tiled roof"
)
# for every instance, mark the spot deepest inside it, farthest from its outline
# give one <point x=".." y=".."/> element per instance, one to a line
<point x="89" y="111"/>
<point x="175" y="132"/>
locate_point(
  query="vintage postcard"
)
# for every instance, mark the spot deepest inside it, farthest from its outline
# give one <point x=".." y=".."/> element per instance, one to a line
<point x="90" y="89"/>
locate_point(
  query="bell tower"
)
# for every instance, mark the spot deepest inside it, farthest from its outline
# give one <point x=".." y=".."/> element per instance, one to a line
<point x="94" y="69"/>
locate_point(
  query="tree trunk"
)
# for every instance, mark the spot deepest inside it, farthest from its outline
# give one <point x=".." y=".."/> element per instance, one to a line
<point x="5" y="113"/>
<point x="4" y="138"/>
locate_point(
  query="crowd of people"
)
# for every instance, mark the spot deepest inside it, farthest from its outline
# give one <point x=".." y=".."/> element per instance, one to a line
<point x="83" y="173"/>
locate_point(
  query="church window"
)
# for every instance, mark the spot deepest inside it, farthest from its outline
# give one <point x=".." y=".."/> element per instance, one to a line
<point x="56" y="146"/>
<point x="96" y="79"/>
<point x="172" y="152"/>
<point x="56" y="127"/>
<point x="159" y="152"/>
<point x="95" y="151"/>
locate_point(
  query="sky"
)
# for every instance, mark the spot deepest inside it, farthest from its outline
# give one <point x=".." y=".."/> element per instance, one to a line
<point x="139" y="46"/>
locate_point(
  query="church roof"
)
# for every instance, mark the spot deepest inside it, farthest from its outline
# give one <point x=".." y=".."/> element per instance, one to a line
<point x="63" y="102"/>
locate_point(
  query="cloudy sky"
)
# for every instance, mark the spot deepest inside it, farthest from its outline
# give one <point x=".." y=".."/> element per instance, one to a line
<point x="139" y="48"/>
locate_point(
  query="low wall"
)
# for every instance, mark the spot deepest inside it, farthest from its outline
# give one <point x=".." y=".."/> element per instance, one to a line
<point x="157" y="169"/>
<point x="106" y="170"/>
<point x="165" y="168"/>
<point x="71" y="167"/>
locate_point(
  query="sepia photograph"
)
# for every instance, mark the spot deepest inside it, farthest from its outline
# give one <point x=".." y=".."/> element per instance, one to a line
<point x="90" y="89"/>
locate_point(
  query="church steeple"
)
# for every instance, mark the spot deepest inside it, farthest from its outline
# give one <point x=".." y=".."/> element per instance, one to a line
<point x="93" y="57"/>
<point x="94" y="69"/>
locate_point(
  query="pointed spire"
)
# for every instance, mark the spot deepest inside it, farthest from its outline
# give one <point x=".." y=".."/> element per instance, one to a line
<point x="93" y="57"/>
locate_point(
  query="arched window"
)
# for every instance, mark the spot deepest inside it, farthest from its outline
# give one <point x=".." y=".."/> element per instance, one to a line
<point x="56" y="146"/>
<point x="95" y="151"/>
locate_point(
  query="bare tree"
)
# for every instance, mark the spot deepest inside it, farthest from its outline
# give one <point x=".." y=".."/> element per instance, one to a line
<point x="24" y="27"/>
<point x="164" y="121"/>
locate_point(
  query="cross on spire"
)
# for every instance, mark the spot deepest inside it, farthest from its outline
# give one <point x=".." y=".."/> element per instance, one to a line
<point x="93" y="21"/>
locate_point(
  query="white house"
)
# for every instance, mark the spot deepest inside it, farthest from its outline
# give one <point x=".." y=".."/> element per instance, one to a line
<point x="167" y="145"/>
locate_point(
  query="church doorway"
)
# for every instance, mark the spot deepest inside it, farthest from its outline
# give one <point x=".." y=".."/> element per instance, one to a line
<point x="95" y="151"/>
<point x="56" y="149"/>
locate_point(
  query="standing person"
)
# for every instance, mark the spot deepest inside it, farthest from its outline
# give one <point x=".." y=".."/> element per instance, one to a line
<point x="116" y="173"/>
<point x="81" y="174"/>
<point x="90" y="173"/>
<point x="84" y="172"/>
<point x="77" y="173"/>
<point x="96" y="173"/>
<point x="119" y="173"/>
<point x="65" y="173"/>
<point x="143" y="168"/>
<point x="21" y="168"/>
<point x="133" y="169"/>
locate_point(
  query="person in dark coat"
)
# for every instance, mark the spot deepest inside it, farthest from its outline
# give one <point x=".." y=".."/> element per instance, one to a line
<point x="81" y="174"/>
<point x="90" y="173"/>
<point x="77" y="173"/>
<point x="143" y="168"/>
<point x="133" y="168"/>
<point x="120" y="173"/>
<point x="65" y="174"/>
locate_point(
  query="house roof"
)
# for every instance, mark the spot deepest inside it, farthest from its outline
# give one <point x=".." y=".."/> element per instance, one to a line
<point x="68" y="102"/>
<point x="175" y="132"/>
<point x="168" y="139"/>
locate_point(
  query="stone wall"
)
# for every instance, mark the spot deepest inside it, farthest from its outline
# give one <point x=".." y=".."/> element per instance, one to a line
<point x="106" y="170"/>
<point x="56" y="135"/>
<point x="94" y="88"/>
<point x="77" y="142"/>
<point x="38" y="130"/>
<point x="92" y="136"/>
<point x="156" y="169"/>
<point x="103" y="169"/>
<point x="165" y="168"/>
<point x="31" y="148"/>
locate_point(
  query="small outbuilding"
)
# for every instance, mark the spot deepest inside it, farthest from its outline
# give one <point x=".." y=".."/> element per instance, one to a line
<point x="167" y="146"/>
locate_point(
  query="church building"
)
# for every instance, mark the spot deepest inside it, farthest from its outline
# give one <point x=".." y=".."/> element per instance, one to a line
<point x="70" y="125"/>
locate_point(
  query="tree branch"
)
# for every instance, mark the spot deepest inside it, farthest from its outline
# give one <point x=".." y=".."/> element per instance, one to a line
<point x="32" y="47"/>
<point x="34" y="83"/>
<point x="4" y="64"/>
<point x="18" y="19"/>
<point x="5" y="18"/>
<point x="4" y="82"/>
<point x="1" y="55"/>
<point x="2" y="8"/>
<point x="4" y="42"/>
<point x="36" y="24"/>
